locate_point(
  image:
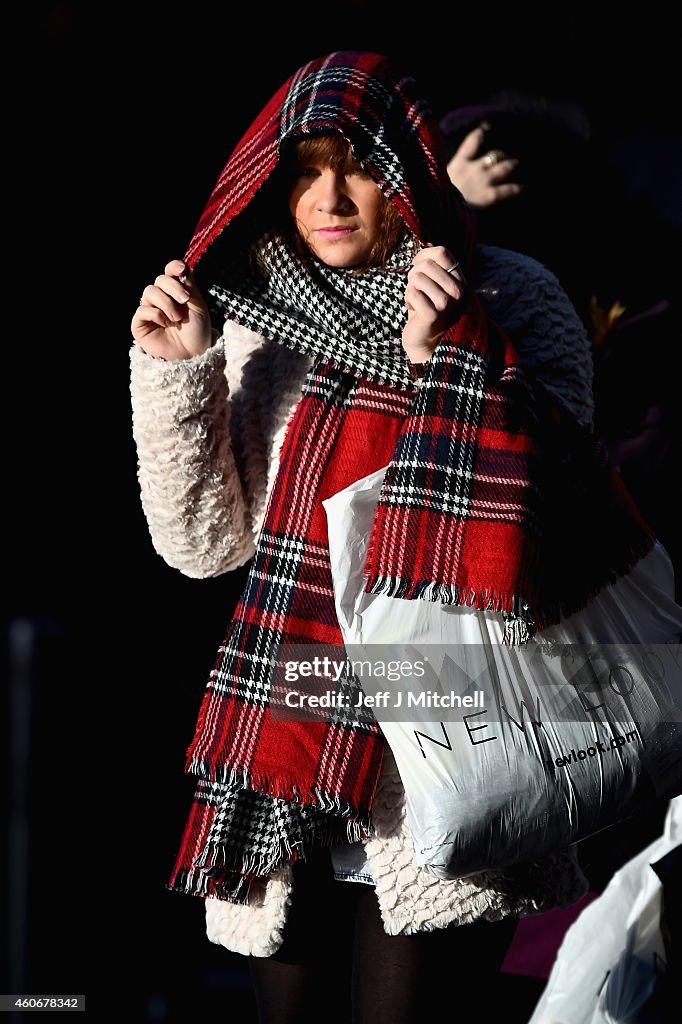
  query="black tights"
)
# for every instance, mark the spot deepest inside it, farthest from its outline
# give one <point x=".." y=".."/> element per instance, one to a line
<point x="337" y="963"/>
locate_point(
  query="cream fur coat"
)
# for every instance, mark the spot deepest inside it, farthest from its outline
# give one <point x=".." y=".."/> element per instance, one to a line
<point x="208" y="432"/>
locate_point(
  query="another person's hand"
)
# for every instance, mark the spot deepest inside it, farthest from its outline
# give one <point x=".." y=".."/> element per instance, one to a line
<point x="172" y="320"/>
<point x="435" y="287"/>
<point x="482" y="180"/>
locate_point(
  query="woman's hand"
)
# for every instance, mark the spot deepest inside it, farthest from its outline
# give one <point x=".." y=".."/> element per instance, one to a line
<point x="435" y="287"/>
<point x="172" y="320"/>
<point x="482" y="180"/>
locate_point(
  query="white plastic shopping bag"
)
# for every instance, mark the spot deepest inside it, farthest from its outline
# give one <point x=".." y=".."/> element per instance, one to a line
<point x="612" y="961"/>
<point x="508" y="754"/>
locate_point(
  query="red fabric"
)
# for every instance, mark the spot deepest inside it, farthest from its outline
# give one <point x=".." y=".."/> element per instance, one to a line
<point x="298" y="759"/>
<point x="537" y="939"/>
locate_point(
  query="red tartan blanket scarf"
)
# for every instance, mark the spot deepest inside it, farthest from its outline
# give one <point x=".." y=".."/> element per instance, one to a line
<point x="492" y="498"/>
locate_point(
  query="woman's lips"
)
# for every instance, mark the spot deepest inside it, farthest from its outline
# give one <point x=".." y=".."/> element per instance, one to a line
<point x="335" y="232"/>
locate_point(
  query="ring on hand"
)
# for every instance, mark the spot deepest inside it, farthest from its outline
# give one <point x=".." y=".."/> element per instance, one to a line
<point x="453" y="267"/>
<point x="491" y="158"/>
<point x="142" y="300"/>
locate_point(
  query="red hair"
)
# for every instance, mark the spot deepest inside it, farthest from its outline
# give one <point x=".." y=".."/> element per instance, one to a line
<point x="332" y="150"/>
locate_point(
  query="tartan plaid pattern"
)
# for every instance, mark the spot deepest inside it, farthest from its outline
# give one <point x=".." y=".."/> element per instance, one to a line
<point x="459" y="512"/>
<point x="269" y="789"/>
<point x="489" y="500"/>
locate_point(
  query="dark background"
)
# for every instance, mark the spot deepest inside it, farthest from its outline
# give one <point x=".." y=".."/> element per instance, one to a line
<point x="125" y="119"/>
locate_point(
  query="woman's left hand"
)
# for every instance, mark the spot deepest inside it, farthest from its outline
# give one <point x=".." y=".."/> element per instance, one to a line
<point x="435" y="288"/>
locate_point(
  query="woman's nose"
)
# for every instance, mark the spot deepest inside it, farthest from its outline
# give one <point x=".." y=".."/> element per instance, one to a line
<point x="331" y="195"/>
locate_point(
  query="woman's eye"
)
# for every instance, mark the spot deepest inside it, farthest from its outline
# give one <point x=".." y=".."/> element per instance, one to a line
<point x="307" y="172"/>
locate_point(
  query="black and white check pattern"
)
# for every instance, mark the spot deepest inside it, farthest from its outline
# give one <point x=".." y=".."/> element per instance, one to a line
<point x="252" y="833"/>
<point x="352" y="321"/>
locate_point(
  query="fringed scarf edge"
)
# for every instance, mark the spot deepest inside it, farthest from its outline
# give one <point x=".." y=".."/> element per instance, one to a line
<point x="281" y="789"/>
<point x="522" y="621"/>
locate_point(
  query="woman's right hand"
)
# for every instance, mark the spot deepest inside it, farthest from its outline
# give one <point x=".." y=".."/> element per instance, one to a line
<point x="172" y="320"/>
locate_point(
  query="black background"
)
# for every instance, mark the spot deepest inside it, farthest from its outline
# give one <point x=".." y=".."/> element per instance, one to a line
<point x="124" y="119"/>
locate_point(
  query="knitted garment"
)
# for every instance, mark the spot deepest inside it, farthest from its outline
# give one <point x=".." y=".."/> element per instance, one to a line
<point x="486" y="493"/>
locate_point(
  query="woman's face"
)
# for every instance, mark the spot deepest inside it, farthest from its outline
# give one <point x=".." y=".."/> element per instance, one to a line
<point x="337" y="210"/>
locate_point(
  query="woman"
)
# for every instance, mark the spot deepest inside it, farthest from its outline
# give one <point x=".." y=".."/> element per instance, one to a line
<point x="339" y="336"/>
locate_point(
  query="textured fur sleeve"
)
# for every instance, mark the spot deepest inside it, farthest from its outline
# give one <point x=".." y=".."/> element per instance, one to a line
<point x="192" y="495"/>
<point x="208" y="432"/>
<point x="528" y="302"/>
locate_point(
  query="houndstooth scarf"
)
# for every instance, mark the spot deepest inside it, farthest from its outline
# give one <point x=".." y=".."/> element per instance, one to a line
<point x="490" y="498"/>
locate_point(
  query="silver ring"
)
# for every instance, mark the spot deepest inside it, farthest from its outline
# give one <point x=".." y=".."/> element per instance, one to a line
<point x="142" y="300"/>
<point x="491" y="158"/>
<point x="454" y="267"/>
